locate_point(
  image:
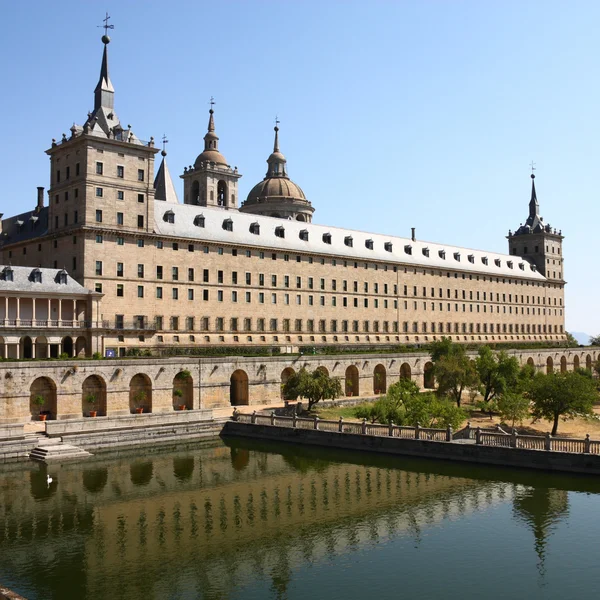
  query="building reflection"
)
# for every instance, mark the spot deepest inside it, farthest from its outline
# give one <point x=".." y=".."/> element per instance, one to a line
<point x="224" y="515"/>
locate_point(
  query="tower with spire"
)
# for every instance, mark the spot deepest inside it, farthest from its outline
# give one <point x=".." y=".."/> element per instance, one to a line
<point x="277" y="195"/>
<point x="210" y="181"/>
<point x="538" y="242"/>
<point x="101" y="178"/>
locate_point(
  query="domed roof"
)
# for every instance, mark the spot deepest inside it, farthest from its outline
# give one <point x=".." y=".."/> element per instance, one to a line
<point x="210" y="156"/>
<point x="275" y="187"/>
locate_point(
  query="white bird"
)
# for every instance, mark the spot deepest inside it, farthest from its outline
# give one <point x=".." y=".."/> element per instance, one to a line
<point x="48" y="480"/>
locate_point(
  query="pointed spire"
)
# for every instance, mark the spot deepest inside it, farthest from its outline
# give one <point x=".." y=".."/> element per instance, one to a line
<point x="211" y="140"/>
<point x="163" y="183"/>
<point x="534" y="207"/>
<point x="276" y="161"/>
<point x="104" y="94"/>
<point x="276" y="143"/>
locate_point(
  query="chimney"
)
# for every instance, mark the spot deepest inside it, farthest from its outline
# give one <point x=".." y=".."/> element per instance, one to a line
<point x="412" y="234"/>
<point x="40" y="199"/>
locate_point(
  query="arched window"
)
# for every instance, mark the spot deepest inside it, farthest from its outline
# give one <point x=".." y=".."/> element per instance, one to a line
<point x="221" y="193"/>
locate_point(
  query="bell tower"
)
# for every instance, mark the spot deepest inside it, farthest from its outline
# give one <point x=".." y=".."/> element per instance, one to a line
<point x="539" y="243"/>
<point x="211" y="181"/>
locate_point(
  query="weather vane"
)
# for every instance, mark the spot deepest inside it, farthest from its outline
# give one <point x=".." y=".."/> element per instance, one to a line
<point x="165" y="141"/>
<point x="212" y="102"/>
<point x="277" y="121"/>
<point x="106" y="26"/>
<point x="532" y="165"/>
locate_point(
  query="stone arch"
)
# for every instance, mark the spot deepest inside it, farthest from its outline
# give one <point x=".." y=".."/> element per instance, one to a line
<point x="140" y="394"/>
<point x="549" y="365"/>
<point x="141" y="472"/>
<point x="67" y="345"/>
<point x="41" y="347"/>
<point x="531" y="362"/>
<point x="588" y="362"/>
<point x="26" y="350"/>
<point x="379" y="380"/>
<point x="222" y="193"/>
<point x="576" y="362"/>
<point x="238" y="388"/>
<point x="183" y="391"/>
<point x="300" y="217"/>
<point x="323" y="370"/>
<point x="183" y="467"/>
<point x="195" y="193"/>
<point x="428" y="377"/>
<point x="563" y="364"/>
<point x="96" y="387"/>
<point x="45" y="389"/>
<point x="285" y="375"/>
<point x="80" y="346"/>
<point x="352" y="384"/>
<point x="405" y="372"/>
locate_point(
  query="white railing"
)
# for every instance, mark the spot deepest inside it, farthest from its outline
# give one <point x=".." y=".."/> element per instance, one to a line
<point x="481" y="437"/>
<point x="44" y="323"/>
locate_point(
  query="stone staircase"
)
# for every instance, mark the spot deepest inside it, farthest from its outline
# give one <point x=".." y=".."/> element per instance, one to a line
<point x="51" y="450"/>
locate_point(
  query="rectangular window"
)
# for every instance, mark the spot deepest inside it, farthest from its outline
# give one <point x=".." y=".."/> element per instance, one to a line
<point x="98" y="267"/>
<point x="205" y="275"/>
<point x="175" y="293"/>
<point x="190" y="274"/>
<point x="140" y="221"/>
<point x="190" y="294"/>
<point x="119" y="218"/>
<point x="140" y="291"/>
<point x="119" y="269"/>
<point x="98" y="216"/>
<point x="120" y="171"/>
<point x="99" y="239"/>
<point x="175" y="273"/>
<point x="140" y="174"/>
<point x="99" y="192"/>
<point x="159" y="293"/>
<point x="99" y="168"/>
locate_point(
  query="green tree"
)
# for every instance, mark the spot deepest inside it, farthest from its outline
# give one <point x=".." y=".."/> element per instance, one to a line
<point x="595" y="340"/>
<point x="571" y="341"/>
<point x="561" y="395"/>
<point x="429" y="410"/>
<point x="513" y="407"/>
<point x="442" y="349"/>
<point x="497" y="373"/>
<point x="315" y="386"/>
<point x="454" y="374"/>
<point x="392" y="406"/>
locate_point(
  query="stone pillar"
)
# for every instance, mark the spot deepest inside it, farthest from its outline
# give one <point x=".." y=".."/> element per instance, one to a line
<point x="32" y="347"/>
<point x="18" y="311"/>
<point x="59" y="312"/>
<point x="33" y="317"/>
<point x="74" y="311"/>
<point x="5" y="308"/>
<point x="49" y="311"/>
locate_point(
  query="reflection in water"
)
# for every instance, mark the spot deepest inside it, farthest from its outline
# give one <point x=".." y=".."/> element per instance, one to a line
<point x="247" y="519"/>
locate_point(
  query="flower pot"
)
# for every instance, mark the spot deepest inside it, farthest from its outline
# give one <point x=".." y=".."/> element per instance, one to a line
<point x="139" y="411"/>
<point x="43" y="417"/>
<point x="93" y="413"/>
<point x="349" y="394"/>
<point x="182" y="407"/>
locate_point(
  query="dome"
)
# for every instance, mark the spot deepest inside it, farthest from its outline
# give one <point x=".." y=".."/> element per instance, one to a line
<point x="210" y="156"/>
<point x="275" y="188"/>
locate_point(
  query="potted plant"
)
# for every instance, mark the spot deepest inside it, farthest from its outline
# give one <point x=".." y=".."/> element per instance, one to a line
<point x="91" y="400"/>
<point x="140" y="400"/>
<point x="178" y="394"/>
<point x="183" y="375"/>
<point x="349" y="387"/>
<point x="39" y="401"/>
<point x="378" y="383"/>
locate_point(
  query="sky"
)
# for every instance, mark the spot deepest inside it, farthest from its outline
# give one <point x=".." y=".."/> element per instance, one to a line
<point x="394" y="115"/>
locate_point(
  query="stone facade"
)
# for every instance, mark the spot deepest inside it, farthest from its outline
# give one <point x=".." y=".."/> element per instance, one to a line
<point x="204" y="273"/>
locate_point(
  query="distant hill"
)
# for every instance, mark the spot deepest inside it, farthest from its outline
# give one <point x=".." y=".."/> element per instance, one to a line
<point x="582" y="338"/>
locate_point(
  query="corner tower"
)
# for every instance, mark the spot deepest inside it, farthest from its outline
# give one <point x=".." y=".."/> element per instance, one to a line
<point x="277" y="195"/>
<point x="211" y="181"/>
<point x="539" y="243"/>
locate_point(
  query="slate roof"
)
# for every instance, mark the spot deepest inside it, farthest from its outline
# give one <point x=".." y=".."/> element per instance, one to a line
<point x="26" y="226"/>
<point x="332" y="241"/>
<point x="23" y="282"/>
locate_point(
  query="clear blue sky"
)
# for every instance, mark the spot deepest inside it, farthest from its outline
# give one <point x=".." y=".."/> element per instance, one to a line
<point x="393" y="114"/>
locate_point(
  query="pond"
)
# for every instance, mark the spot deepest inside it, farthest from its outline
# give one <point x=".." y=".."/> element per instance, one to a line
<point x="246" y="519"/>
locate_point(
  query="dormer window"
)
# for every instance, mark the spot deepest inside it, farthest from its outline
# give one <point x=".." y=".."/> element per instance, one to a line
<point x="408" y="249"/>
<point x="533" y="267"/>
<point x="304" y="235"/>
<point x="442" y="254"/>
<point x="369" y="244"/>
<point x="327" y="238"/>
<point x="8" y="274"/>
<point x="387" y="246"/>
<point x="36" y="276"/>
<point x="426" y="252"/>
<point x="471" y="258"/>
<point x="228" y="225"/>
<point x="484" y="260"/>
<point x="169" y="217"/>
<point x="19" y="225"/>
<point x="497" y="262"/>
<point x="521" y="266"/>
<point x="199" y="221"/>
<point x="509" y="264"/>
<point x="279" y="232"/>
<point x="61" y="277"/>
<point x="457" y="256"/>
<point x="348" y="241"/>
<point x="255" y="228"/>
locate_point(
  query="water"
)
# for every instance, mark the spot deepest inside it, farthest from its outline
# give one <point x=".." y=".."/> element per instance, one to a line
<point x="257" y="520"/>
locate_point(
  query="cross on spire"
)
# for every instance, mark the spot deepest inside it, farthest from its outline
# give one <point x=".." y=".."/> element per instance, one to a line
<point x="212" y="102"/>
<point x="532" y="165"/>
<point x="106" y="26"/>
<point x="164" y="140"/>
<point x="277" y="121"/>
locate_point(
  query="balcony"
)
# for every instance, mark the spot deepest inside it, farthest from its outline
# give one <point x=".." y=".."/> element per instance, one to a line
<point x="44" y="324"/>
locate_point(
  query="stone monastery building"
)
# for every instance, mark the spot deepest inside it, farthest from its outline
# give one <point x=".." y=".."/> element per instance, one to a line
<point x="153" y="271"/>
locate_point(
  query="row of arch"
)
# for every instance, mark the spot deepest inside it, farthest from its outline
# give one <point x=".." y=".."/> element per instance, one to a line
<point x="43" y="396"/>
<point x="42" y="346"/>
<point x="562" y="363"/>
